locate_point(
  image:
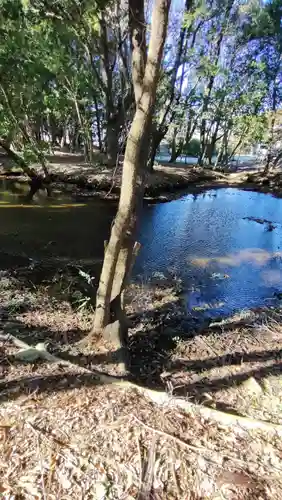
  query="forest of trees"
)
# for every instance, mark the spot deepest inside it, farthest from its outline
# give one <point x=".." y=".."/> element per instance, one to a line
<point x="67" y="79"/>
<point x="141" y="359"/>
<point x="124" y="76"/>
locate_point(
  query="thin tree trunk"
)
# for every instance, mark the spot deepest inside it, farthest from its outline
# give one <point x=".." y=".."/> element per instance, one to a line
<point x="206" y="101"/>
<point x="27" y="133"/>
<point x="36" y="181"/>
<point x="173" y="155"/>
<point x="236" y="147"/>
<point x="63" y="140"/>
<point x="161" y="128"/>
<point x="225" y="140"/>
<point x="98" y="125"/>
<point x="272" y="126"/>
<point x="191" y="127"/>
<point x="83" y="133"/>
<point x="112" y="142"/>
<point x="109" y="315"/>
<point x="156" y="139"/>
<point x="212" y="143"/>
<point x="277" y="159"/>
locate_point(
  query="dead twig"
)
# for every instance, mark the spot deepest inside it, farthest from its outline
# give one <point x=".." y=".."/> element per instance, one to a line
<point x="49" y="436"/>
<point x="147" y="482"/>
<point x="140" y="462"/>
<point x="173" y="473"/>
<point x="44" y="494"/>
<point x="220" y="456"/>
<point x="169" y="436"/>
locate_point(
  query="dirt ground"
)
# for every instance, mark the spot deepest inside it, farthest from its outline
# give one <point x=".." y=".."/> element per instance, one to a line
<point x="65" y="434"/>
<point x="72" y="175"/>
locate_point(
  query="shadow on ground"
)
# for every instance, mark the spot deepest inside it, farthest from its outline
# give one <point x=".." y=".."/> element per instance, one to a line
<point x="152" y="356"/>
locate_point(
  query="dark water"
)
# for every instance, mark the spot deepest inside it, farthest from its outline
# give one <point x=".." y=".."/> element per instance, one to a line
<point x="225" y="261"/>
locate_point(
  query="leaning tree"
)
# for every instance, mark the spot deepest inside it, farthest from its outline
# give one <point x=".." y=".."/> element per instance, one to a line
<point x="110" y="321"/>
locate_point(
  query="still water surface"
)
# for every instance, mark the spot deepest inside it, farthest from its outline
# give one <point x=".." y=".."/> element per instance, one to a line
<point x="226" y="262"/>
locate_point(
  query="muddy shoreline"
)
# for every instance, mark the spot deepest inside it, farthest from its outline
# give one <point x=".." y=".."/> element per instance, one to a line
<point x="166" y="182"/>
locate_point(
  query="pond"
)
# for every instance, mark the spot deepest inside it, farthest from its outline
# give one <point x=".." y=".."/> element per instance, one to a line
<point x="192" y="160"/>
<point x="226" y="261"/>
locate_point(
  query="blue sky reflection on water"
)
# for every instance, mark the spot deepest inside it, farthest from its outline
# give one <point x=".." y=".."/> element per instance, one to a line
<point x="225" y="261"/>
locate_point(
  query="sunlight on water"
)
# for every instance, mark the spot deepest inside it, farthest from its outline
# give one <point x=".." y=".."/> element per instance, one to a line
<point x="254" y="256"/>
<point x="272" y="277"/>
<point x="224" y="260"/>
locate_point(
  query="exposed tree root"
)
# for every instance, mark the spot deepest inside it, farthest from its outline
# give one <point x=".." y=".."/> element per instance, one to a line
<point x="158" y="397"/>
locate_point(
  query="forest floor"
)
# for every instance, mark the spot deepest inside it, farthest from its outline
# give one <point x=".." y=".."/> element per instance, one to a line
<point x="66" y="434"/>
<point x="72" y="175"/>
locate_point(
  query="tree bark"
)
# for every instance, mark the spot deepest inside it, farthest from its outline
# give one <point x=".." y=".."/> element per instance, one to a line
<point x="98" y="124"/>
<point x="177" y="150"/>
<point x="212" y="143"/>
<point x="112" y="142"/>
<point x="161" y="128"/>
<point x="272" y="126"/>
<point x="207" y="98"/>
<point x="156" y="138"/>
<point x="109" y="320"/>
<point x="173" y="155"/>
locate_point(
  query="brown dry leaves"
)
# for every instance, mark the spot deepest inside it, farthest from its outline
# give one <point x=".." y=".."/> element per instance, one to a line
<point x="106" y="443"/>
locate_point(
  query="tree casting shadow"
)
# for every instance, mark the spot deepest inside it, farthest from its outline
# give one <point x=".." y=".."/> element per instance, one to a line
<point x="150" y="354"/>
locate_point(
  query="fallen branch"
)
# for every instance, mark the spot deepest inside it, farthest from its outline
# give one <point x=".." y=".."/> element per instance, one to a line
<point x="202" y="450"/>
<point x="170" y="436"/>
<point x="18" y="159"/>
<point x="158" y="397"/>
<point x="36" y="181"/>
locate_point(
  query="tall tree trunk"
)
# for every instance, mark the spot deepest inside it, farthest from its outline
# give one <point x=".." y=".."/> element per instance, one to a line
<point x="225" y="141"/>
<point x="156" y="139"/>
<point x="203" y="144"/>
<point x="107" y="68"/>
<point x="63" y="140"/>
<point x="109" y="318"/>
<point x="272" y="126"/>
<point x="178" y="149"/>
<point x="160" y="129"/>
<point x="207" y="98"/>
<point x="98" y="124"/>
<point x="112" y="142"/>
<point x="173" y="155"/>
<point x="211" y="146"/>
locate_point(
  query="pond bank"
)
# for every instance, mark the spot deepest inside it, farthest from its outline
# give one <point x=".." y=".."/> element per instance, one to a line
<point x="231" y="365"/>
<point x="71" y="175"/>
<point x="227" y="365"/>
